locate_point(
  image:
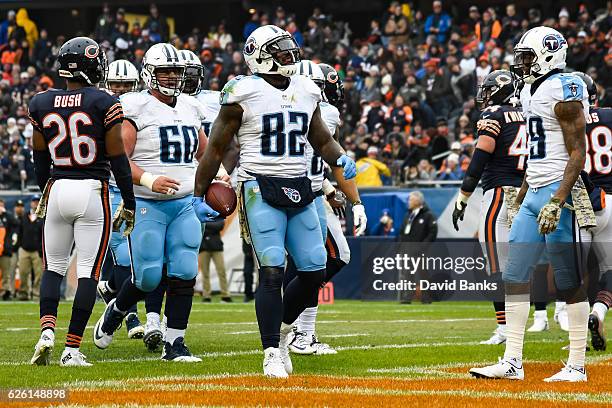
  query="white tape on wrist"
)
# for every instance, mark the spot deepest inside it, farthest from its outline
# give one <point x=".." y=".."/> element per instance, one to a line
<point x="147" y="179"/>
<point x="327" y="187"/>
<point x="461" y="199"/>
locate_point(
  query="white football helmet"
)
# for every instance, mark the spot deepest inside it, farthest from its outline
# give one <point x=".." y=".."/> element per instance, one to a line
<point x="539" y="51"/>
<point x="163" y="57"/>
<point x="312" y="71"/>
<point x="271" y="50"/>
<point x="194" y="72"/>
<point x="122" y="77"/>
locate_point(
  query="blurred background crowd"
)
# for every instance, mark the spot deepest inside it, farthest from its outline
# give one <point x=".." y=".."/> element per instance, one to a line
<point x="410" y="78"/>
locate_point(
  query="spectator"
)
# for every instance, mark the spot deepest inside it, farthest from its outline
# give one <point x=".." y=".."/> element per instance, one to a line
<point x="438" y="91"/>
<point x="488" y="28"/>
<point x="384" y="228"/>
<point x="370" y="170"/>
<point x="314" y="39"/>
<point x="472" y="20"/>
<point x="511" y="23"/>
<point x="451" y="170"/>
<point x="211" y="248"/>
<point x="222" y="37"/>
<point x="438" y="24"/>
<point x="104" y="23"/>
<point x="31" y="31"/>
<point x="4" y="27"/>
<point x="251" y="25"/>
<point x="7" y="227"/>
<point x="397" y="26"/>
<point x="157" y="25"/>
<point x="18" y="212"/>
<point x="30" y="248"/>
<point x="482" y="70"/>
<point x="292" y="28"/>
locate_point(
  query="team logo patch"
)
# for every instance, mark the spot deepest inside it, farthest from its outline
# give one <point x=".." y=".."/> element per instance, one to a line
<point x="553" y="42"/>
<point x="293" y="194"/>
<point x="143" y="210"/>
<point x="250" y="46"/>
<point x="92" y="51"/>
<point x="332" y="77"/>
<point x="573" y="88"/>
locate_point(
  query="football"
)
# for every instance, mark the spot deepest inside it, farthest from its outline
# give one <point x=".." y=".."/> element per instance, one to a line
<point x="221" y="197"/>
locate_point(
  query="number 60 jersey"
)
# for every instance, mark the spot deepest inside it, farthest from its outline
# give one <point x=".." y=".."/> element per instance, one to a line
<point x="275" y="124"/>
<point x="166" y="139"/>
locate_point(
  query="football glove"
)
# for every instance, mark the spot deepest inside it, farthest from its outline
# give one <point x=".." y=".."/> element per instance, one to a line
<point x="124" y="216"/>
<point x="203" y="211"/>
<point x="548" y="218"/>
<point x="337" y="201"/>
<point x="360" y="220"/>
<point x="459" y="210"/>
<point x="348" y="164"/>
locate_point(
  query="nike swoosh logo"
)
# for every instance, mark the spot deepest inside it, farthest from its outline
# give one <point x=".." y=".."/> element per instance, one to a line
<point x="96" y="334"/>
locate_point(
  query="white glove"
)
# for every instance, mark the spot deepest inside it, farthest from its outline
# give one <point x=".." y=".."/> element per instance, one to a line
<point x="359" y="219"/>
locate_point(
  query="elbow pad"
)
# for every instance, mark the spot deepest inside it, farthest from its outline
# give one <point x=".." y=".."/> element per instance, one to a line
<point x="123" y="177"/>
<point x="42" y="165"/>
<point x="475" y="169"/>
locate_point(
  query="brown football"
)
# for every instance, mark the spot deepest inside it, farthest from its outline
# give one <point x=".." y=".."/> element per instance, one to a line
<point x="221" y="197"/>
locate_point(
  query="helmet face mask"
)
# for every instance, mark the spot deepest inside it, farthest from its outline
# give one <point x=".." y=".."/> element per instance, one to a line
<point x="525" y="64"/>
<point x="169" y="78"/>
<point x="194" y="76"/>
<point x="120" y="87"/>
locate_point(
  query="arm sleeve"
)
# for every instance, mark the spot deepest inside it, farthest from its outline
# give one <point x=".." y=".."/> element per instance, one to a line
<point x="123" y="177"/>
<point x="42" y="167"/>
<point x="475" y="169"/>
<point x="33" y="115"/>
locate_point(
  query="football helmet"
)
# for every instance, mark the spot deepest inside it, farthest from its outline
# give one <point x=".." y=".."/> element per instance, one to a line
<point x="496" y="89"/>
<point x="163" y="58"/>
<point x="122" y="77"/>
<point x="82" y="59"/>
<point x="539" y="51"/>
<point x="591" y="87"/>
<point x="194" y="72"/>
<point x="271" y="50"/>
<point x="313" y="71"/>
<point x="333" y="90"/>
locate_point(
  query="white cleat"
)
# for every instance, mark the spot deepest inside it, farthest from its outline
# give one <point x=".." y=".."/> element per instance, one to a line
<point x="153" y="337"/>
<point x="283" y="348"/>
<point x="509" y="369"/>
<point x="498" y="337"/>
<point x="540" y="322"/>
<point x="44" y="348"/>
<point x="73" y="358"/>
<point x="321" y="349"/>
<point x="299" y="343"/>
<point x="568" y="374"/>
<point x="273" y="365"/>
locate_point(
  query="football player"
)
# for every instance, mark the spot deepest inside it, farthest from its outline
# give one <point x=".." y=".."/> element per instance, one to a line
<point x="499" y="161"/>
<point x="274" y="113"/>
<point x="555" y="106"/>
<point x="163" y="137"/>
<point x="303" y="339"/>
<point x="77" y="141"/>
<point x="122" y="78"/>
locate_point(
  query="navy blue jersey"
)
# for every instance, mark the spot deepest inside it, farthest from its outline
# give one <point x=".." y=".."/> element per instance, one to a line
<point x="599" y="147"/>
<point x="74" y="125"/>
<point x="506" y="125"/>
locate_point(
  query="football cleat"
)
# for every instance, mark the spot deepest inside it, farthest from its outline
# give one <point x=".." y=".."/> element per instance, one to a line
<point x="299" y="343"/>
<point x="285" y="331"/>
<point x="153" y="335"/>
<point x="43" y="349"/>
<point x="178" y="351"/>
<point x="134" y="327"/>
<point x="273" y="365"/>
<point x="105" y="291"/>
<point x="568" y="374"/>
<point x="106" y="326"/>
<point x="540" y="322"/>
<point x="321" y="348"/>
<point x="498" y="337"/>
<point x="505" y="368"/>
<point x="226" y="299"/>
<point x="598" y="338"/>
<point x="73" y="358"/>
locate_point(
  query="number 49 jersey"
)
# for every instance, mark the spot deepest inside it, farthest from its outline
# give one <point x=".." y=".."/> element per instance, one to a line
<point x="274" y="129"/>
<point x="547" y="152"/>
<point x="506" y="125"/>
<point x="316" y="166"/>
<point x="599" y="148"/>
<point x="166" y="139"/>
<point x="74" y="125"/>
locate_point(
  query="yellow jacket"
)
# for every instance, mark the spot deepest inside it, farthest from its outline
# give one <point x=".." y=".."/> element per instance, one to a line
<point x="22" y="19"/>
<point x="369" y="171"/>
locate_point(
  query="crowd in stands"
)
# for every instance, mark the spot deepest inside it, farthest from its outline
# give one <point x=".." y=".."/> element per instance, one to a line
<point x="410" y="82"/>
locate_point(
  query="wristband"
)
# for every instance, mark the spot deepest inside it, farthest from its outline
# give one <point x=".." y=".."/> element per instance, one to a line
<point x="328" y="188"/>
<point x="147" y="179"/>
<point x="358" y="202"/>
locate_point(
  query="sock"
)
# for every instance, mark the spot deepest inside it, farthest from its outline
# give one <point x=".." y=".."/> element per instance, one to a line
<point x="269" y="305"/>
<point x="600" y="310"/>
<point x="49" y="299"/>
<point x="119" y="275"/>
<point x="540" y="314"/>
<point x="500" y="312"/>
<point x="155" y="299"/>
<point x="290" y="271"/>
<point x="517" y="314"/>
<point x="173" y="334"/>
<point x="178" y="302"/>
<point x="577" y="315"/>
<point x="107" y="271"/>
<point x="559" y="306"/>
<point x="306" y="321"/>
<point x="116" y="309"/>
<point x="83" y="304"/>
<point x="128" y="296"/>
<point x="300" y="292"/>
<point x="153" y="317"/>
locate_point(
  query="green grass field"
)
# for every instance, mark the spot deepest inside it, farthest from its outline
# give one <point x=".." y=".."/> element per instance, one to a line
<point x="374" y="339"/>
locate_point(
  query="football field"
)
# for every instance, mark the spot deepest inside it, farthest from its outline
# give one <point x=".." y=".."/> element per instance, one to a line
<point x="388" y="355"/>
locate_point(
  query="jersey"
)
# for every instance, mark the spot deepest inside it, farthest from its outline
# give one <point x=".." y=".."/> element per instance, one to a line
<point x="275" y="123"/>
<point x="166" y="139"/>
<point x="331" y="118"/>
<point x="74" y="124"/>
<point x="506" y="125"/>
<point x="599" y="148"/>
<point x="547" y="152"/>
<point x="210" y="100"/>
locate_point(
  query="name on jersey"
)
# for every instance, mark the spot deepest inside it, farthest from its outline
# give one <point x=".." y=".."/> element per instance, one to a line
<point x="67" y="101"/>
<point x="512" y="116"/>
<point x="592" y="118"/>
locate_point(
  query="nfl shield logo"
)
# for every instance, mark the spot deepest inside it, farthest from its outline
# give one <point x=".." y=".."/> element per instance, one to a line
<point x="293" y="194"/>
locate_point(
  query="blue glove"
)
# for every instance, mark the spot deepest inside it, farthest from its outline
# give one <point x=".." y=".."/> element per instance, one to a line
<point x="350" y="169"/>
<point x="203" y="211"/>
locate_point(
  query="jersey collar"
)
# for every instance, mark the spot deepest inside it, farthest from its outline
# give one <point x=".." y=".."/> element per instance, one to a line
<point x="536" y="84"/>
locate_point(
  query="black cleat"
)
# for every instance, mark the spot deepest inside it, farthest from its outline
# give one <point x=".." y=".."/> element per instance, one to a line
<point x="598" y="339"/>
<point x="178" y="351"/>
<point x="134" y="327"/>
<point x="6" y="295"/>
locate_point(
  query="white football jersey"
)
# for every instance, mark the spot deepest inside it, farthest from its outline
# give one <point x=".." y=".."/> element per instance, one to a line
<point x="547" y="152"/>
<point x="166" y="139"/>
<point x="210" y="100"/>
<point x="316" y="173"/>
<point x="274" y="129"/>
